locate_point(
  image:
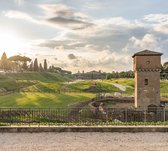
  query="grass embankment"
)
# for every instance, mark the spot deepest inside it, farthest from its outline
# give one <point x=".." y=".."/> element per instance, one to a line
<point x="44" y="100"/>
<point x="16" y="81"/>
<point x="50" y="89"/>
<point x="38" y="90"/>
<point x="92" y="87"/>
<point x="164" y="88"/>
<point x="128" y="83"/>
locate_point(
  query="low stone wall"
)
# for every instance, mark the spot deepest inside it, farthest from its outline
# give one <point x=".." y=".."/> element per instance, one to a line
<point x="130" y="129"/>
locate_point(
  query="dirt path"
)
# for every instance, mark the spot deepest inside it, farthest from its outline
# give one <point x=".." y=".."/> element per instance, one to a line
<point x="121" y="87"/>
<point x="84" y="141"/>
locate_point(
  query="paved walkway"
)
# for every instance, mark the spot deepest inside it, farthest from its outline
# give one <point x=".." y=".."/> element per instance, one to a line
<point x="83" y="141"/>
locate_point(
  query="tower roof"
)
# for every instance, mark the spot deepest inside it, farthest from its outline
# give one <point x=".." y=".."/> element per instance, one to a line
<point x="147" y="53"/>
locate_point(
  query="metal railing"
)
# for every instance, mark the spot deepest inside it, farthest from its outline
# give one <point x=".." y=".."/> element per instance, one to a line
<point x="63" y="116"/>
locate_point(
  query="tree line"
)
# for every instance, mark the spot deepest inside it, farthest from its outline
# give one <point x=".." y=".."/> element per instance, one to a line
<point x="21" y="63"/>
<point x="122" y="74"/>
<point x="164" y="68"/>
<point x="130" y="74"/>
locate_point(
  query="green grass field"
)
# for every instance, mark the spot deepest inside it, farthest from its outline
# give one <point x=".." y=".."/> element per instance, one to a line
<point x="53" y="90"/>
<point x="92" y="87"/>
<point x="38" y="90"/>
<point x="44" y="100"/>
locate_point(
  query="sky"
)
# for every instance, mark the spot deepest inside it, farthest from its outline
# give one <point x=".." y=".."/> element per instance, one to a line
<point x="87" y="35"/>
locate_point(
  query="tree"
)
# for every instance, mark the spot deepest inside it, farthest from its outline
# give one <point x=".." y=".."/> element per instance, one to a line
<point x="31" y="66"/>
<point x="4" y="61"/>
<point x="108" y="76"/>
<point x="165" y="67"/>
<point x="40" y="67"/>
<point x="19" y="58"/>
<point x="36" y="65"/>
<point x="45" y="65"/>
<point x="25" y="67"/>
<point x="20" y="62"/>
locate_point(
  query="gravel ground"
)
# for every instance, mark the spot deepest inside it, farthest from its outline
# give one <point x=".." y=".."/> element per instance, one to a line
<point x="83" y="141"/>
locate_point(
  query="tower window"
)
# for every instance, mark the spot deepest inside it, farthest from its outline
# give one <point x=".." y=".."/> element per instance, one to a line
<point x="146" y="81"/>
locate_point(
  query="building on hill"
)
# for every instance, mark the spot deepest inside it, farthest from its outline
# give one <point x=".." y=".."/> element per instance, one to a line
<point x="147" y="67"/>
<point x="90" y="75"/>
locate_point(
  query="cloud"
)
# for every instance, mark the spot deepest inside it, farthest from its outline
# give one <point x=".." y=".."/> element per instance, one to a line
<point x="157" y="18"/>
<point x="71" y="23"/>
<point x="158" y="21"/>
<point x="19" y="15"/>
<point x="72" y="56"/>
<point x="19" y="2"/>
<point x="65" y="44"/>
<point x="61" y="15"/>
<point x="97" y="43"/>
<point x="55" y="15"/>
<point x="105" y="35"/>
<point x="149" y="41"/>
<point x="106" y="60"/>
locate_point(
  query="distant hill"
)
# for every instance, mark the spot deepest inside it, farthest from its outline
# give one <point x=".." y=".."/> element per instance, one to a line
<point x="17" y="81"/>
<point x="40" y="76"/>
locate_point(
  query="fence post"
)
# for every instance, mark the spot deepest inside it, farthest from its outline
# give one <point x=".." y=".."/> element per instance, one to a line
<point x="145" y="116"/>
<point x="10" y="118"/>
<point x="126" y="115"/>
<point x="39" y="116"/>
<point x="29" y="117"/>
<point x="164" y="115"/>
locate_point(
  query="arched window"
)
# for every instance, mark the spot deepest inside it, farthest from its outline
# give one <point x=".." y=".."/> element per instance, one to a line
<point x="146" y="81"/>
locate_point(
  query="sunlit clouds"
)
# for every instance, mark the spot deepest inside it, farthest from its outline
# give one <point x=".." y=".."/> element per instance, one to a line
<point x="84" y="35"/>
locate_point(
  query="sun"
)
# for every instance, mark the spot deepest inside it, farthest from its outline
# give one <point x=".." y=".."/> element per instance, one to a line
<point x="11" y="44"/>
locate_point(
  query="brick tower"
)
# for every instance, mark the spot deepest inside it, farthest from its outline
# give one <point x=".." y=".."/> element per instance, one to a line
<point x="147" y="65"/>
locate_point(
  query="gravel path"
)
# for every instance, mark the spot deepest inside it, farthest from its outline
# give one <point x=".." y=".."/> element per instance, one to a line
<point x="121" y="87"/>
<point x="83" y="141"/>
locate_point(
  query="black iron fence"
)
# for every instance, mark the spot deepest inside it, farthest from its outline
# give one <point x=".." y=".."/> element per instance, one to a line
<point x="61" y="116"/>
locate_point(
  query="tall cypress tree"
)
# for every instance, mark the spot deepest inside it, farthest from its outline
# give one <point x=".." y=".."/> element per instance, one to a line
<point x="45" y="65"/>
<point x="40" y="67"/>
<point x="36" y="65"/>
<point x="31" y="66"/>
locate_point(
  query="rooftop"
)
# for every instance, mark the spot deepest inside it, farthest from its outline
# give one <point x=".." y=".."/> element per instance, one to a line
<point x="147" y="53"/>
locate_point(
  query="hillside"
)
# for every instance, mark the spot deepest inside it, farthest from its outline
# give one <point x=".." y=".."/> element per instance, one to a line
<point x="38" y="90"/>
<point x="54" y="90"/>
<point x="17" y="81"/>
<point x="40" y="76"/>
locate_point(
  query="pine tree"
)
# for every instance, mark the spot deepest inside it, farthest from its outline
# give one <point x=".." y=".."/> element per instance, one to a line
<point x="45" y="65"/>
<point x="36" y="65"/>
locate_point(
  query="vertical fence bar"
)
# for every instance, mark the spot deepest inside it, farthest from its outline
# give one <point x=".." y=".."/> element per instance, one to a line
<point x="29" y="113"/>
<point x="10" y="118"/>
<point x="145" y="119"/>
<point x="164" y="115"/>
<point x="39" y="117"/>
<point x="126" y="112"/>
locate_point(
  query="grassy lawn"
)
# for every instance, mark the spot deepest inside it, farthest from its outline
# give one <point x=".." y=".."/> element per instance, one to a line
<point x="43" y="89"/>
<point x="125" y="82"/>
<point x="44" y="100"/>
<point x="40" y="76"/>
<point x="164" y="88"/>
<point x="92" y="87"/>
